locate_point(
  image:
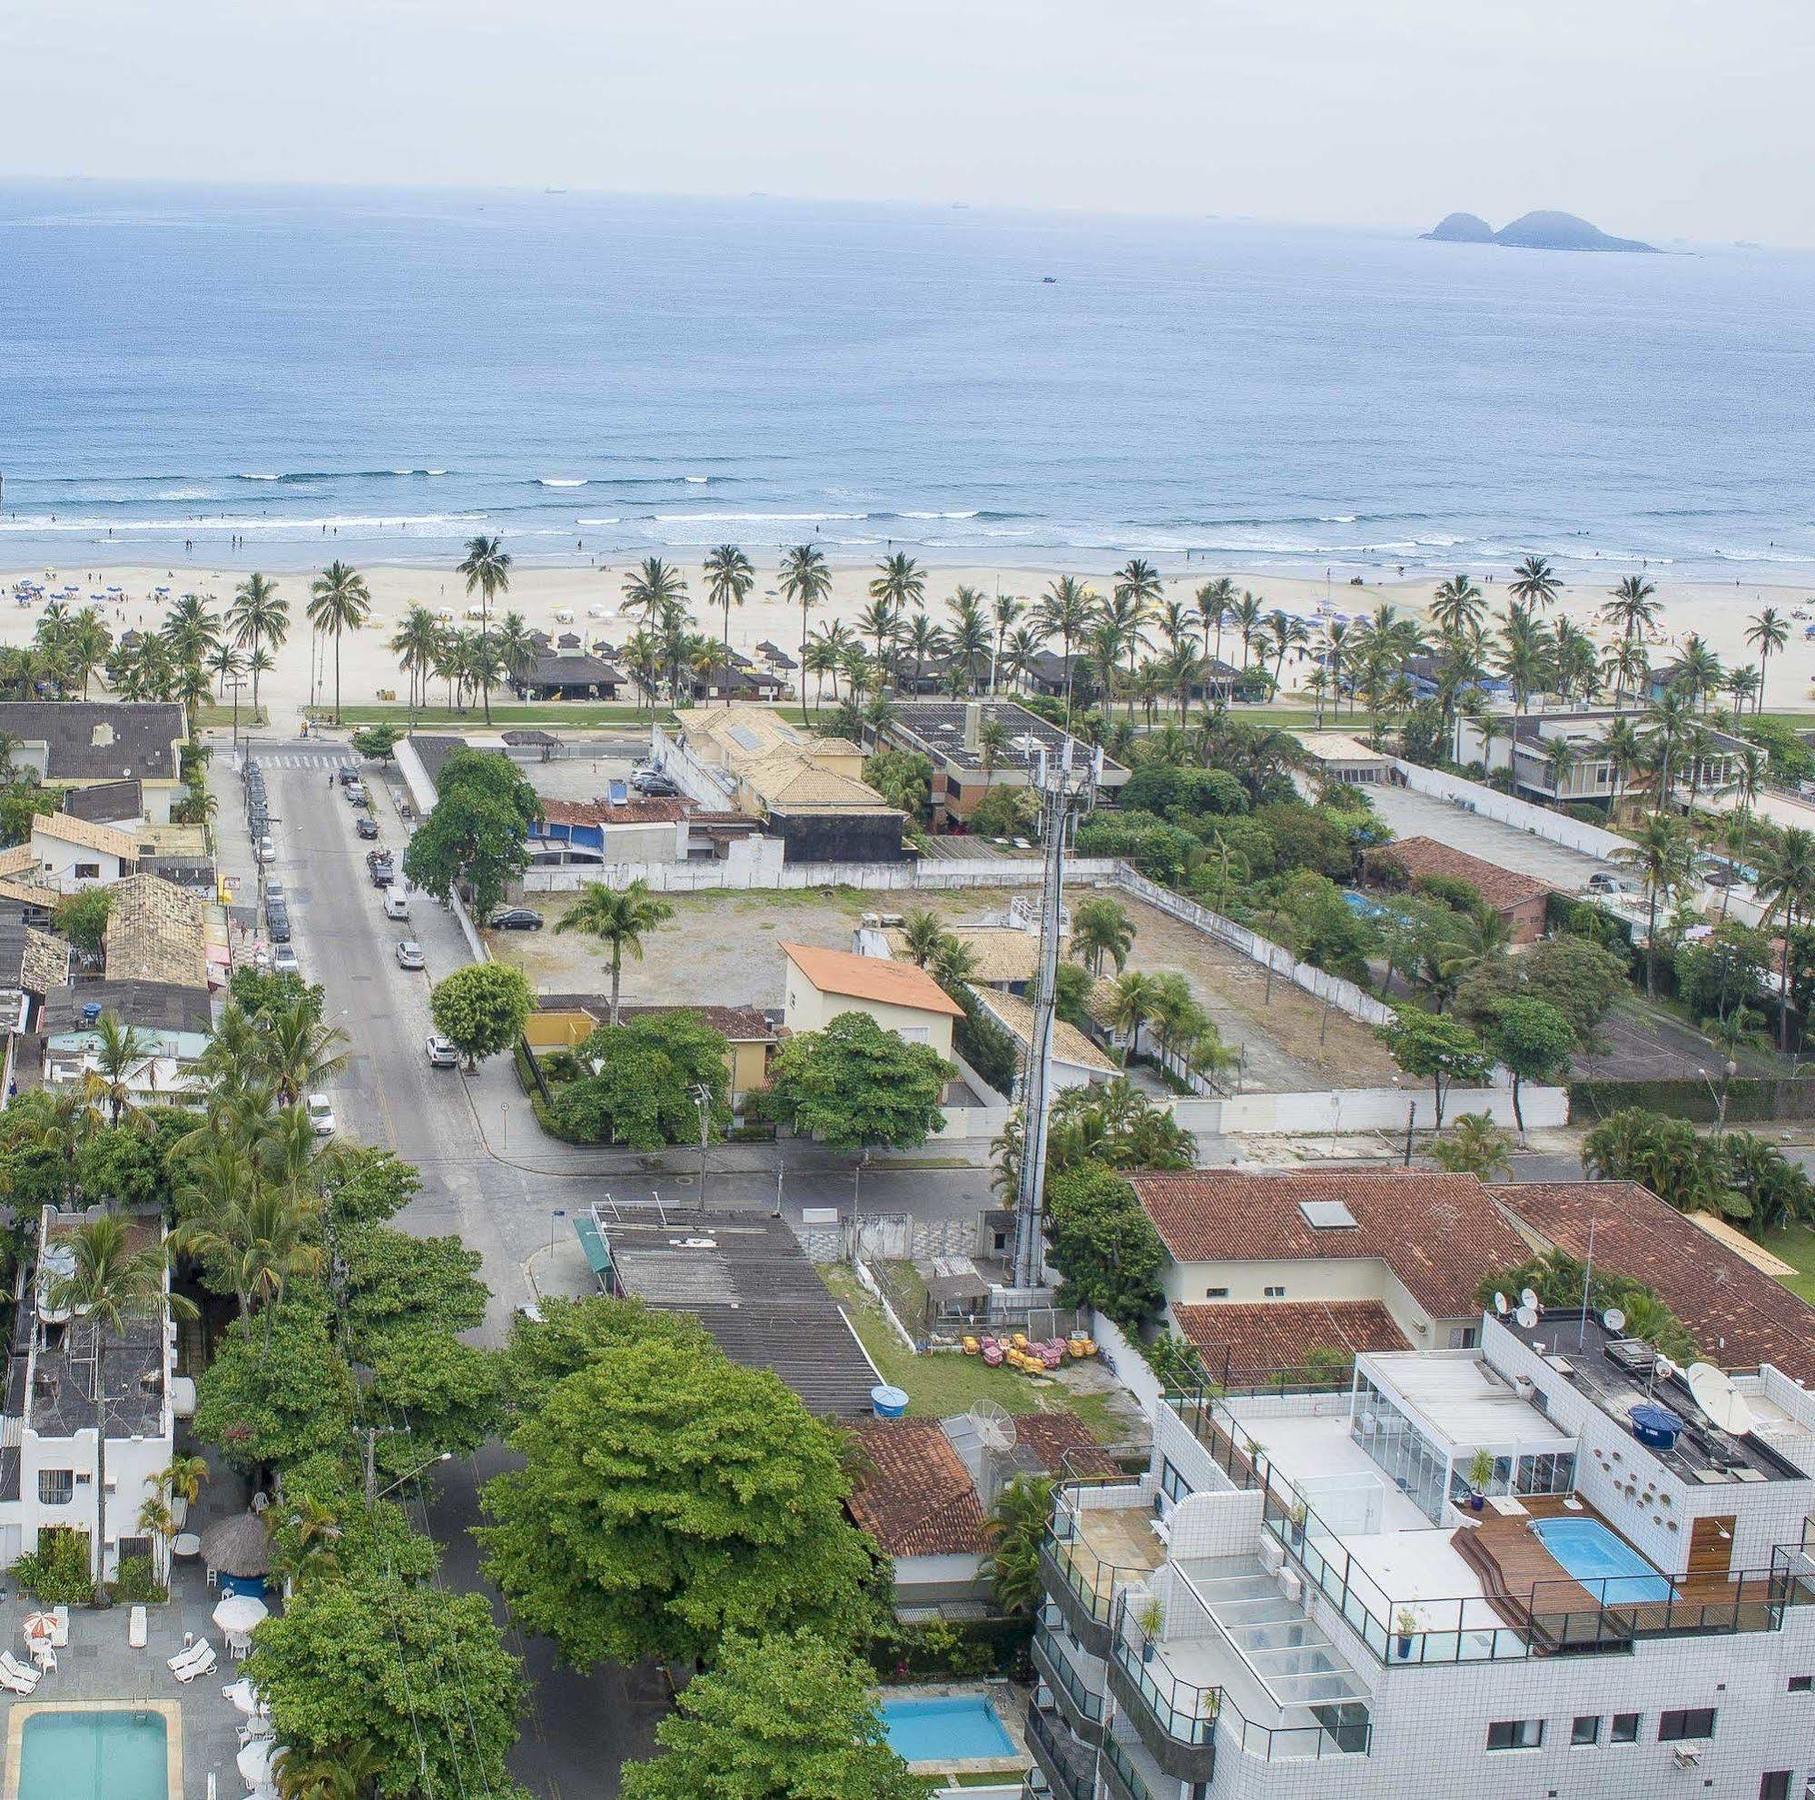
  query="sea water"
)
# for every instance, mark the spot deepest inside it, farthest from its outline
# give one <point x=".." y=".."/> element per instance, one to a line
<point x="379" y="375"/>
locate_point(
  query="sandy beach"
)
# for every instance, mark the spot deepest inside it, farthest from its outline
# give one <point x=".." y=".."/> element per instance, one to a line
<point x="1720" y="613"/>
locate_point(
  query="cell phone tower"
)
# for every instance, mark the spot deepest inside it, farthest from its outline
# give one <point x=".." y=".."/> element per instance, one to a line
<point x="1067" y="788"/>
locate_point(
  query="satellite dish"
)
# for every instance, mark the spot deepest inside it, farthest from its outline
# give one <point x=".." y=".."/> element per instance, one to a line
<point x="1664" y="1368"/>
<point x="1614" y="1320"/>
<point x="1527" y="1316"/>
<point x="1529" y="1297"/>
<point x="1499" y="1303"/>
<point x="1716" y="1395"/>
<point x="994" y="1425"/>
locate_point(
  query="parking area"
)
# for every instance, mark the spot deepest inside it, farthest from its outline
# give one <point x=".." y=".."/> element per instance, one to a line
<point x="1423" y="815"/>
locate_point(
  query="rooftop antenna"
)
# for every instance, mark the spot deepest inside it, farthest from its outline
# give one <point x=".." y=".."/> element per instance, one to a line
<point x="1499" y="1303"/>
<point x="1587" y="1276"/>
<point x="1716" y="1395"/>
<point x="1064" y="793"/>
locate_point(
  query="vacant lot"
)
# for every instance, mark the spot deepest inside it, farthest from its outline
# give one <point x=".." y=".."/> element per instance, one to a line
<point x="1649" y="1043"/>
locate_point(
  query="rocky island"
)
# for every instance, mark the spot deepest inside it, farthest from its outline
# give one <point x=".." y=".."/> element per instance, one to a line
<point x="1534" y="231"/>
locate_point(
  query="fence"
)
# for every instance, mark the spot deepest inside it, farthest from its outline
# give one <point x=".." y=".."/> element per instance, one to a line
<point x="1333" y="989"/>
<point x="902" y="877"/>
<point x="1521" y="815"/>
<point x="1366" y="1109"/>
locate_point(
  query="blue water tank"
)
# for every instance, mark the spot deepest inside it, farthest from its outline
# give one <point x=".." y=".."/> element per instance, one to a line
<point x="888" y="1402"/>
<point x="91" y="1012"/>
<point x="1656" y="1426"/>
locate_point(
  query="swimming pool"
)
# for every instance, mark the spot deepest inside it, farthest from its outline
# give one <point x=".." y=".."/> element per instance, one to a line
<point x="951" y="1729"/>
<point x="1606" y="1565"/>
<point x="94" y="1756"/>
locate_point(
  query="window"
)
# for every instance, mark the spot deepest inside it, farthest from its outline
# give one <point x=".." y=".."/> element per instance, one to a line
<point x="1274" y="1293"/>
<point x="1462" y="1337"/>
<point x="1685" y="1722"/>
<point x="1515" y="1734"/>
<point x="56" y="1487"/>
<point x="1216" y="1293"/>
<point x="1625" y="1728"/>
<point x="1802" y="1684"/>
<point x="88" y="871"/>
<point x="1172" y="1484"/>
<point x="1586" y="1729"/>
<point x="1774" y="1785"/>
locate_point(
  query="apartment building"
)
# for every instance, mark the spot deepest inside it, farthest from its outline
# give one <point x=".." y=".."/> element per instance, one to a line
<point x="1301" y="1597"/>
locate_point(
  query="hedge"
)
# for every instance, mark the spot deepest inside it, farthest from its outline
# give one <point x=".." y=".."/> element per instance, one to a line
<point x="1750" y="1099"/>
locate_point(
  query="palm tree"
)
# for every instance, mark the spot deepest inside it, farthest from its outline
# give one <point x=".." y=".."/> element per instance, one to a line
<point x="259" y="621"/>
<point x="1456" y="606"/>
<point x="1247" y="613"/>
<point x="1624" y="752"/>
<point x="1008" y="609"/>
<point x="1534" y="584"/>
<point x="120" y="1053"/>
<point x="967" y="637"/>
<point x="1560" y="759"/>
<point x="307" y="1550"/>
<point x="486" y="567"/>
<point x="1661" y="857"/>
<point x="85" y="647"/>
<point x="1632" y="607"/>
<point x="618" y="919"/>
<point x="1101" y="927"/>
<point x="299" y="1052"/>
<point x="341" y="1772"/>
<point x="515" y="648"/>
<point x="1017" y="1527"/>
<point x="1131" y="1005"/>
<point x="340" y="602"/>
<point x="1214" y="599"/>
<point x="109" y="1282"/>
<point x="729" y="579"/>
<point x="923" y="640"/>
<point x="899" y="583"/>
<point x="191" y="630"/>
<point x="1767" y="634"/>
<point x="415" y="645"/>
<point x="1064" y="612"/>
<point x="923" y="931"/>
<point x="1786" y="881"/>
<point x="805" y="580"/>
<point x="1473" y="1145"/>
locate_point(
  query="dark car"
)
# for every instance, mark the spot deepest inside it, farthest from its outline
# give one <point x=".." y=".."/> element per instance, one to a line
<point x="383" y="871"/>
<point x="280" y="927"/>
<point x="653" y="782"/>
<point x="366" y="826"/>
<point x="515" y="918"/>
<point x="347" y="775"/>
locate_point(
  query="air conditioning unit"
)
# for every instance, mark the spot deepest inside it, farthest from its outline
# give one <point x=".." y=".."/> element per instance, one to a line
<point x="1272" y="1555"/>
<point x="1688" y="1757"/>
<point x="1290" y="1585"/>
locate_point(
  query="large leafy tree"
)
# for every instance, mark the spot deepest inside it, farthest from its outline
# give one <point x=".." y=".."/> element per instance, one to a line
<point x="482" y="1008"/>
<point x="643" y="1080"/>
<point x="444" y="1391"/>
<point x="1104" y="1244"/>
<point x="397" y="1282"/>
<point x="855" y="1085"/>
<point x="617" y="919"/>
<point x="1535" y="1041"/>
<point x="783" y="1717"/>
<point x="667" y="1500"/>
<point x="1446" y="1050"/>
<point x="419" y="1675"/>
<point x="276" y="1395"/>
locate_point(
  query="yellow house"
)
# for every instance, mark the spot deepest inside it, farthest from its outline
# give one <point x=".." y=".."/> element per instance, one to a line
<point x="903" y="999"/>
<point x="565" y="1021"/>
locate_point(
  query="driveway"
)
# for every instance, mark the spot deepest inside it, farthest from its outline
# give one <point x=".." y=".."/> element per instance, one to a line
<point x="1423" y="815"/>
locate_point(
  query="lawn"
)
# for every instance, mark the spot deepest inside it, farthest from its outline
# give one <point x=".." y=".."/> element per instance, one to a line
<point x="212" y="713"/>
<point x="944" y="1382"/>
<point x="544" y="712"/>
<point x="1795" y="1244"/>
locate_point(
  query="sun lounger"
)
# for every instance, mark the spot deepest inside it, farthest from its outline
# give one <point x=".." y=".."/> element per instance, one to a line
<point x="59" y="1637"/>
<point x="14" y="1685"/>
<point x="17" y="1673"/>
<point x="188" y="1654"/>
<point x="135" y="1629"/>
<point x="200" y="1666"/>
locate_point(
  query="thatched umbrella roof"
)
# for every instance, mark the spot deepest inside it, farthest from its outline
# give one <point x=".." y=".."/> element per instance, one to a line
<point x="238" y="1546"/>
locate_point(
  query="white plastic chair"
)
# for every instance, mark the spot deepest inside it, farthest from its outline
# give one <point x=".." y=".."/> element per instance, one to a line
<point x="201" y="1666"/>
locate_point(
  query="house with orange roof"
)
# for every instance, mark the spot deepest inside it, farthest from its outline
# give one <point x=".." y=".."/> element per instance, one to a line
<point x="904" y="999"/>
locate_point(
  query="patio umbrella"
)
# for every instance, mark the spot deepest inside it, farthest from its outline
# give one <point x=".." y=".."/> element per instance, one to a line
<point x="238" y="1613"/>
<point x="238" y="1546"/>
<point x="255" y="1762"/>
<point x="39" y="1625"/>
<point x="245" y="1697"/>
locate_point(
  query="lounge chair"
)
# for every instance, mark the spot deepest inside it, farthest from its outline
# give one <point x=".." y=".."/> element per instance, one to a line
<point x="14" y="1685"/>
<point x="188" y="1654"/>
<point x="135" y="1629"/>
<point x="16" y="1671"/>
<point x="59" y="1637"/>
<point x="200" y="1666"/>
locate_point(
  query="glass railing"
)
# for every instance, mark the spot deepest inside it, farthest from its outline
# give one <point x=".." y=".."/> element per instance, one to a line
<point x="1088" y="1704"/>
<point x="1119" y="1759"/>
<point x="1092" y="1578"/>
<point x="1059" y="1756"/>
<point x="1184" y="1711"/>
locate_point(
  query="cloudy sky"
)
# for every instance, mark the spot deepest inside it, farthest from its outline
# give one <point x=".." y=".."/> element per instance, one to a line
<point x="1657" y="118"/>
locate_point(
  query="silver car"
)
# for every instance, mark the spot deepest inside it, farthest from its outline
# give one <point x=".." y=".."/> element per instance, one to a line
<point x="409" y="955"/>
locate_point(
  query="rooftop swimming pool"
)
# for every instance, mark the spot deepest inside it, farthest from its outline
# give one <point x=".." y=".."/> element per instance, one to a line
<point x="1606" y="1565"/>
<point x="94" y="1756"/>
<point x="952" y="1728"/>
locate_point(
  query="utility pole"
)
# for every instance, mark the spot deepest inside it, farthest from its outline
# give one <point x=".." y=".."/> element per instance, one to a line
<point x="702" y="1101"/>
<point x="1066" y="790"/>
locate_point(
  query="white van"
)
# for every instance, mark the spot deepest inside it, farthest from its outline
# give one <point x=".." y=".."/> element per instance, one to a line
<point x="396" y="903"/>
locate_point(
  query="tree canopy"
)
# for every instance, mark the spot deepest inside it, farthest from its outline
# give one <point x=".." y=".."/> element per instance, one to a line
<point x="640" y="1079"/>
<point x="477" y="832"/>
<point x="1104" y="1245"/>
<point x="482" y="1008"/>
<point x="856" y="1085"/>
<point x="1445" y="1049"/>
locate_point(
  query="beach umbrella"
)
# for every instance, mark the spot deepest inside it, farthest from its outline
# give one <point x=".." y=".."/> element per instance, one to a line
<point x="239" y="1613"/>
<point x="40" y="1625"/>
<point x="256" y="1760"/>
<point x="238" y="1546"/>
<point x="245" y="1697"/>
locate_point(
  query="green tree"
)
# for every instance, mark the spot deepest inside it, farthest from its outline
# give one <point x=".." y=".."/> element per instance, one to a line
<point x="805" y="581"/>
<point x="642" y="1080"/>
<point x="482" y="1008"/>
<point x="1444" y="1049"/>
<point x="477" y="831"/>
<point x="486" y="567"/>
<point x="665" y="1501"/>
<point x="1017" y="1526"/>
<point x="277" y="1407"/>
<point x="855" y="1085"/>
<point x="419" y="1675"/>
<point x="618" y="919"/>
<point x="82" y="917"/>
<point x="1663" y="859"/>
<point x="781" y="1717"/>
<point x="1535" y="1042"/>
<point x="729" y="579"/>
<point x="1101" y="927"/>
<point x="260" y="621"/>
<point x="1104" y="1245"/>
<point x="1474" y="1145"/>
<point x="339" y="602"/>
<point x="397" y="1283"/>
<point x="366" y="1186"/>
<point x="444" y="1391"/>
<point x="110" y="1282"/>
<point x="377" y="742"/>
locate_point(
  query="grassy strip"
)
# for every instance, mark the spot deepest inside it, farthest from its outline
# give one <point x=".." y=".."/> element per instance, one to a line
<point x="546" y="712"/>
<point x="213" y="714"/>
<point x="1795" y="1244"/>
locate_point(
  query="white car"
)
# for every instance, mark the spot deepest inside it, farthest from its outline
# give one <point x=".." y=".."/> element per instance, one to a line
<point x="396" y="903"/>
<point x="441" y="1054"/>
<point x="321" y="1115"/>
<point x="266" y="852"/>
<point x="283" y="961"/>
<point x="409" y="955"/>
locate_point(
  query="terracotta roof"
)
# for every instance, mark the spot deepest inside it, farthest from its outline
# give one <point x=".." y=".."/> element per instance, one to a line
<point x="45" y="964"/>
<point x="68" y="830"/>
<point x="155" y="933"/>
<point x="871" y="978"/>
<point x="1044" y="1440"/>
<point x="1440" y="1234"/>
<point x="785" y="779"/>
<point x="999" y="952"/>
<point x="16" y="859"/>
<point x="1069" y="1044"/>
<point x="1714" y="1291"/>
<point x="1239" y="1339"/>
<point x="1497" y="886"/>
<point x="916" y="1498"/>
<point x="657" y="810"/>
<point x="737" y="1024"/>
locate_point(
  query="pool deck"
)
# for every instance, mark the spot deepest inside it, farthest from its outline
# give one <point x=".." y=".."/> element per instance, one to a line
<point x="1010" y="1707"/>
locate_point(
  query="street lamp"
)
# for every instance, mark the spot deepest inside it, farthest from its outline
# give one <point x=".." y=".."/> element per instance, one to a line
<point x="445" y="1456"/>
<point x="560" y="1212"/>
<point x="1728" y="1070"/>
<point x="702" y="1100"/>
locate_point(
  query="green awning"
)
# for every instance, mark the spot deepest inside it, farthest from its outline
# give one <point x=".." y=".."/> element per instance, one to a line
<point x="592" y="1241"/>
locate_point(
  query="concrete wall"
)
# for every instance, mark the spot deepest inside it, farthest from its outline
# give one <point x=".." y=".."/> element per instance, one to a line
<point x="1335" y="1111"/>
<point x="694" y="878"/>
<point x="1131" y="1367"/>
<point x="1522" y="815"/>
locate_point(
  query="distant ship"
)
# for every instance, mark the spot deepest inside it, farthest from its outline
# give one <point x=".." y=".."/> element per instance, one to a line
<point x="1049" y="280"/>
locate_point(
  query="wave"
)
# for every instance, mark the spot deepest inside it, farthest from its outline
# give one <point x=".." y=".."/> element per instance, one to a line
<point x="299" y="475"/>
<point x="24" y="525"/>
<point x="560" y="481"/>
<point x="753" y="518"/>
<point x="696" y="480"/>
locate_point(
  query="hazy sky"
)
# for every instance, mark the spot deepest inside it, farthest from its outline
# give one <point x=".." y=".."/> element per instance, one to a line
<point x="1657" y="118"/>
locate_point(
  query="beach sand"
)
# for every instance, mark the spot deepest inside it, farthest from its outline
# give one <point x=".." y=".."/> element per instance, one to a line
<point x="1720" y="613"/>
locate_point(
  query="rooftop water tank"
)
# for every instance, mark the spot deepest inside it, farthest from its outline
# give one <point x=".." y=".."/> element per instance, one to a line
<point x="888" y="1402"/>
<point x="1655" y="1426"/>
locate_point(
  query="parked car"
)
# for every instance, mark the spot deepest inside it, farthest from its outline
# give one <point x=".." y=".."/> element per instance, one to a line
<point x="366" y="826"/>
<point x="274" y="892"/>
<point x="321" y="1115"/>
<point x="515" y="918"/>
<point x="653" y="781"/>
<point x="383" y="871"/>
<point x="396" y="903"/>
<point x="355" y="792"/>
<point x="279" y="923"/>
<point x="283" y="961"/>
<point x="347" y="775"/>
<point x="441" y="1054"/>
<point x="266" y="851"/>
<point x="409" y="955"/>
<point x="1603" y="883"/>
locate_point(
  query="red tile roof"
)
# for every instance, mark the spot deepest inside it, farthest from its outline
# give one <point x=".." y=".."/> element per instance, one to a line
<point x="916" y="1497"/>
<point x="1045" y="1440"/>
<point x="1239" y="1340"/>
<point x="871" y="978"/>
<point x="1441" y="1234"/>
<point x="740" y="1024"/>
<point x="656" y="810"/>
<point x="1714" y="1291"/>
<point x="1497" y="886"/>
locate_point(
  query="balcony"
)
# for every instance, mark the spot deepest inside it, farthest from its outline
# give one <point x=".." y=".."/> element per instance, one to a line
<point x="1081" y="1704"/>
<point x="1100" y="1540"/>
<point x="1176" y="1719"/>
<point x="1129" y="1773"/>
<point x="1066" y="1763"/>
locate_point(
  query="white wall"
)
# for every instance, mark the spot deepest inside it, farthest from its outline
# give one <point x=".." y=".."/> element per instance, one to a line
<point x="902" y="877"/>
<point x="1522" y="815"/>
<point x="1130" y="1365"/>
<point x="1335" y="1111"/>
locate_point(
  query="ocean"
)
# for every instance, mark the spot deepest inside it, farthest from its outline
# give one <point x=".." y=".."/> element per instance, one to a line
<point x="379" y="375"/>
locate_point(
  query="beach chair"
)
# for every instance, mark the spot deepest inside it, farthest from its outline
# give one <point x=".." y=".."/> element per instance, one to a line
<point x="59" y="1637"/>
<point x="16" y="1673"/>
<point x="135" y="1629"/>
<point x="201" y="1666"/>
<point x="188" y="1654"/>
<point x="15" y="1684"/>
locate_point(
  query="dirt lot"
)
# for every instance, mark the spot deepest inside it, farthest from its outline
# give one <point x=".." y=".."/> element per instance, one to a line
<point x="719" y="949"/>
<point x="1647" y="1043"/>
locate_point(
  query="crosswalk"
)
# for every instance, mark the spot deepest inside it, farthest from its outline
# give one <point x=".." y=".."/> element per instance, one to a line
<point x="301" y="759"/>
